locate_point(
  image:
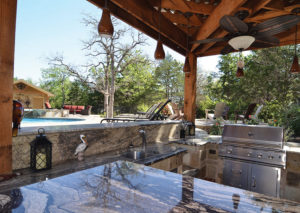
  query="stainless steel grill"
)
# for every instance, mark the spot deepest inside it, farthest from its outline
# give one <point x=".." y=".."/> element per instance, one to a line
<point x="253" y="157"/>
<point x="261" y="144"/>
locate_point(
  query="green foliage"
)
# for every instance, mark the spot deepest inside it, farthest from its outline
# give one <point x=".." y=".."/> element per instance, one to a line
<point x="136" y="86"/>
<point x="204" y="103"/>
<point x="267" y="81"/>
<point x="216" y="128"/>
<point x="170" y="78"/>
<point x="56" y="81"/>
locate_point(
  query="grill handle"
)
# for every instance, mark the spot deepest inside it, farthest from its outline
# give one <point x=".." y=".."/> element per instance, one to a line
<point x="253" y="182"/>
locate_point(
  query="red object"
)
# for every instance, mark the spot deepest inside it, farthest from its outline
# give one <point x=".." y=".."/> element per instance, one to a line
<point x="74" y="108"/>
<point x="48" y="105"/>
<point x="18" y="112"/>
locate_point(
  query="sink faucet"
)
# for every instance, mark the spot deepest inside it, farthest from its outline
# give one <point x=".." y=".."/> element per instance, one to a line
<point x="143" y="134"/>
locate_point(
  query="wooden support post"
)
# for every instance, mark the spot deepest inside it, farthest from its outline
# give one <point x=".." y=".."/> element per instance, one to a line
<point x="8" y="10"/>
<point x="190" y="90"/>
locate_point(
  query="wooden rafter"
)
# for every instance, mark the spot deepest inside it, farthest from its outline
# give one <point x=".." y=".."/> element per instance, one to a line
<point x="180" y="19"/>
<point x="272" y="14"/>
<point x="184" y="6"/>
<point x="255" y="7"/>
<point x="226" y="7"/>
<point x="144" y="12"/>
<point x="129" y="19"/>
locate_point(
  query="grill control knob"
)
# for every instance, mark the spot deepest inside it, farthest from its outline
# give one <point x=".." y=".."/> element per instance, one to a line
<point x="270" y="157"/>
<point x="229" y="151"/>
<point x="259" y="156"/>
<point x="249" y="154"/>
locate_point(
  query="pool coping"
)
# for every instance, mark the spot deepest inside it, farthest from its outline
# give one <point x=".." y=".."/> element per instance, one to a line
<point x="80" y="127"/>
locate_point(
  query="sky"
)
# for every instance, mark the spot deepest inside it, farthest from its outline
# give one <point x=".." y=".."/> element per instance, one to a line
<point x="46" y="28"/>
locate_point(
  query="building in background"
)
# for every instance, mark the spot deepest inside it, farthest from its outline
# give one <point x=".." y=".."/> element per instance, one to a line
<point x="32" y="97"/>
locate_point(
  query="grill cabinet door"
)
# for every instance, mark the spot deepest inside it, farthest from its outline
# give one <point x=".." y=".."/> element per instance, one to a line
<point x="265" y="180"/>
<point x="235" y="174"/>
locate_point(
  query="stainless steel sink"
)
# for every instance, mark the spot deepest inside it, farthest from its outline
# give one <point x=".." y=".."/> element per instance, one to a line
<point x="139" y="153"/>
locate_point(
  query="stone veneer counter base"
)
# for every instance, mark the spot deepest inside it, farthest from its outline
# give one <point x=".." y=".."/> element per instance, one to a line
<point x="124" y="186"/>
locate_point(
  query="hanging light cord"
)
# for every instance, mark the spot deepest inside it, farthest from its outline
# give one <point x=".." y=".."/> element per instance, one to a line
<point x="105" y="6"/>
<point x="159" y="20"/>
<point x="296" y="37"/>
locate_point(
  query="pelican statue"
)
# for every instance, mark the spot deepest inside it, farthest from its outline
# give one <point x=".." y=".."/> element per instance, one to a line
<point x="81" y="147"/>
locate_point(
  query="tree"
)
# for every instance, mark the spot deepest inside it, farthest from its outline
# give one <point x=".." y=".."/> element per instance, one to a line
<point x="137" y="85"/>
<point x="267" y="81"/>
<point x="170" y="77"/>
<point x="106" y="60"/>
<point x="56" y="80"/>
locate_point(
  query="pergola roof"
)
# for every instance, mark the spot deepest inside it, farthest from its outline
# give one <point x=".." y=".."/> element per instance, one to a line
<point x="204" y="22"/>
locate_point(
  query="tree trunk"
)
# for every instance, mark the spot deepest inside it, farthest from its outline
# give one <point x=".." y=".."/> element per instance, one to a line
<point x="106" y="96"/>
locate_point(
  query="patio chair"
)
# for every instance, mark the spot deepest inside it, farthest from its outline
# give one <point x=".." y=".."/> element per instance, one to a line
<point x="153" y="113"/>
<point x="173" y="112"/>
<point x="87" y="110"/>
<point x="245" y="115"/>
<point x="218" y="112"/>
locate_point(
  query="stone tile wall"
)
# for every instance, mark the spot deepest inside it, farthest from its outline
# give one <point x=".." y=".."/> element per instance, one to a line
<point x="99" y="140"/>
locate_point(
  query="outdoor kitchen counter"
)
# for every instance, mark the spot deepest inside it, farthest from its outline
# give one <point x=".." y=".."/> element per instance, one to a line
<point x="123" y="186"/>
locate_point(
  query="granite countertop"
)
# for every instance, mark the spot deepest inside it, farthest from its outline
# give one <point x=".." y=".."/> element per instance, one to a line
<point x="201" y="138"/>
<point x="124" y="186"/>
<point x="162" y="151"/>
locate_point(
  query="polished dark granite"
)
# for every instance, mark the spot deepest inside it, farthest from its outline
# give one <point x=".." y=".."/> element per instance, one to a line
<point x="163" y="151"/>
<point x="123" y="186"/>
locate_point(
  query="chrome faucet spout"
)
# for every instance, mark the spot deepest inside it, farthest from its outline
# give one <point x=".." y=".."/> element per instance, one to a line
<point x="144" y="141"/>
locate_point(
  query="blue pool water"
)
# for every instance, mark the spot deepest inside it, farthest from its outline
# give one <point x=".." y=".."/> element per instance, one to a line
<point x="50" y="120"/>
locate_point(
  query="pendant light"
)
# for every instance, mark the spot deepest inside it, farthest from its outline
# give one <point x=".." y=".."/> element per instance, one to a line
<point x="295" y="66"/>
<point x="159" y="53"/>
<point x="105" y="27"/>
<point x="187" y="67"/>
<point x="240" y="66"/>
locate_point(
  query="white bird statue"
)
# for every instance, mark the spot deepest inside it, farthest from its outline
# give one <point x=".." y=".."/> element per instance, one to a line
<point x="81" y="147"/>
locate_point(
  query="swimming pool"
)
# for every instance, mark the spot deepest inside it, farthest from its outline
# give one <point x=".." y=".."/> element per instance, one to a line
<point x="50" y="120"/>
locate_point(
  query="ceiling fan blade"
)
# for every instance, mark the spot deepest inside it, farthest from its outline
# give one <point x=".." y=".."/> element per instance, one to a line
<point x="270" y="40"/>
<point x="233" y="24"/>
<point x="276" y="25"/>
<point x="227" y="49"/>
<point x="204" y="41"/>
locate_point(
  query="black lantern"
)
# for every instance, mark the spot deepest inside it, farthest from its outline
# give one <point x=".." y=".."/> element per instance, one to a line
<point x="40" y="152"/>
<point x="191" y="129"/>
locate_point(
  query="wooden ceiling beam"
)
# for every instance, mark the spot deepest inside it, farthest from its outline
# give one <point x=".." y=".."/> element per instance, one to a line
<point x="256" y="6"/>
<point x="226" y="7"/>
<point x="184" y="6"/>
<point x="139" y="25"/>
<point x="272" y="14"/>
<point x="144" y="12"/>
<point x="180" y="19"/>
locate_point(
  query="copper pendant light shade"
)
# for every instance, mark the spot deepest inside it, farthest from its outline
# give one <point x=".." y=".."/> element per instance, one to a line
<point x="295" y="66"/>
<point x="159" y="53"/>
<point x="187" y="67"/>
<point x="105" y="27"/>
<point x="240" y="72"/>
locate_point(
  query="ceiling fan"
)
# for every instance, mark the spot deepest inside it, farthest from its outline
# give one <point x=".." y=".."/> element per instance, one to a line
<point x="243" y="35"/>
